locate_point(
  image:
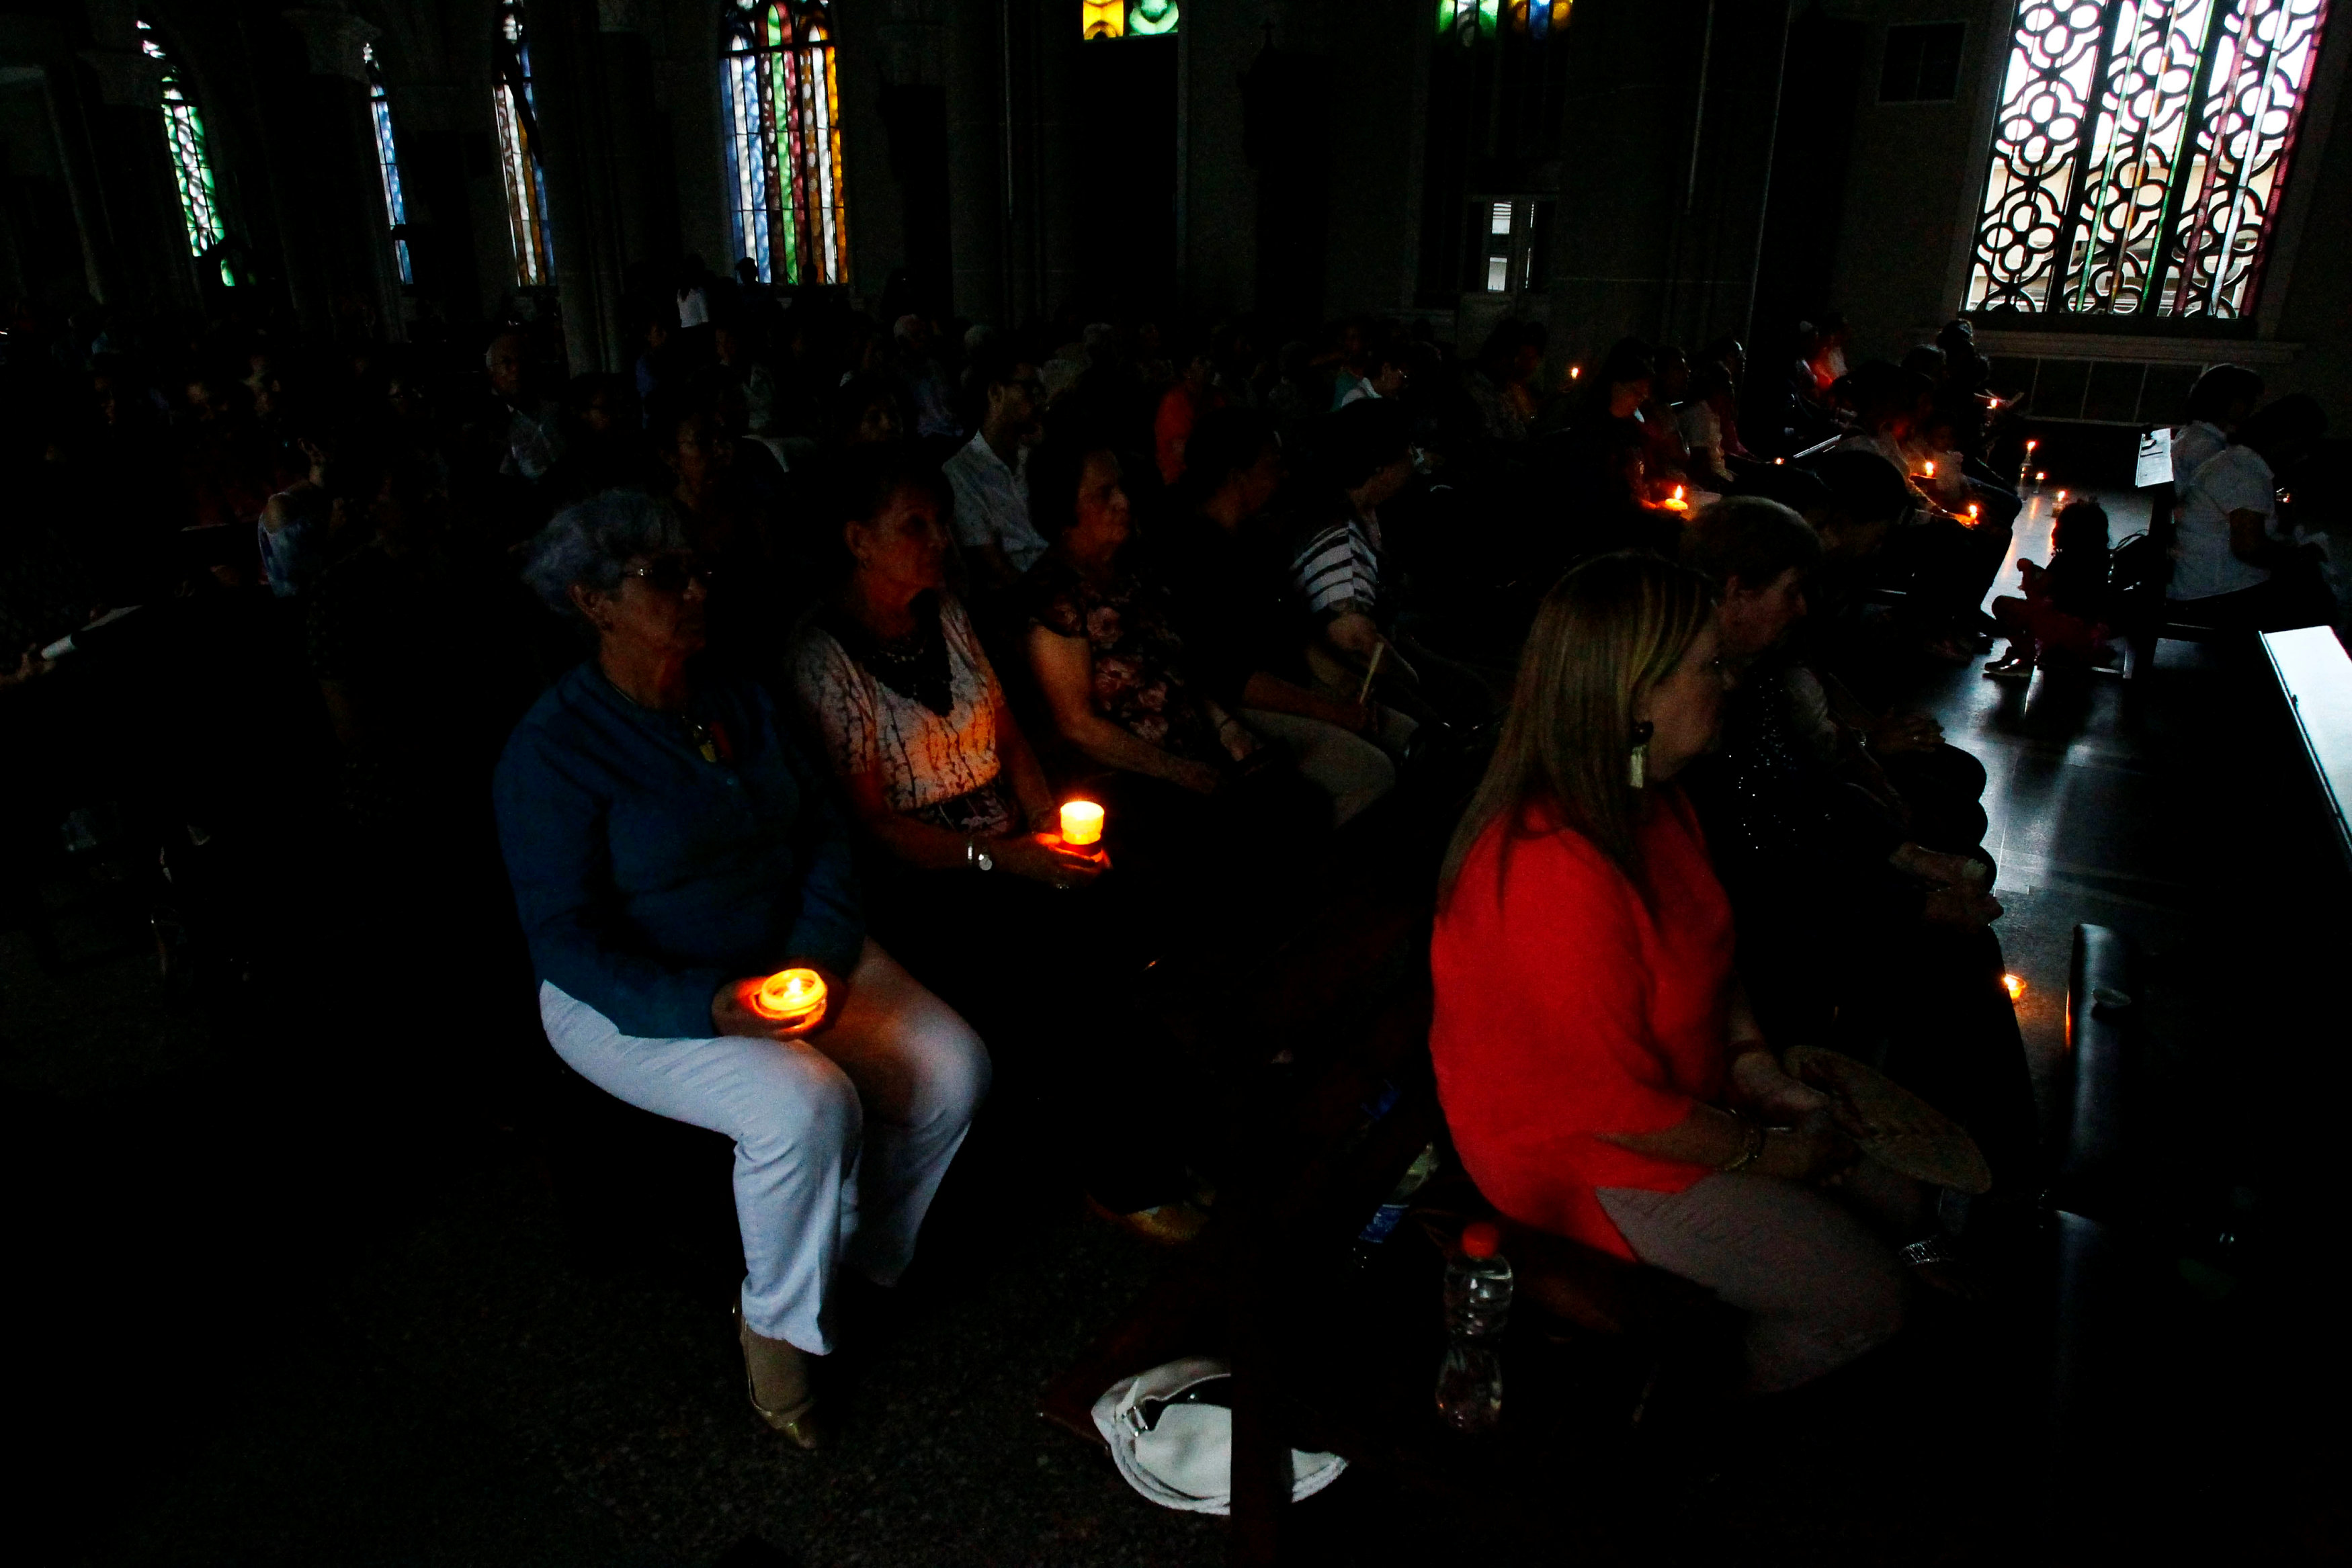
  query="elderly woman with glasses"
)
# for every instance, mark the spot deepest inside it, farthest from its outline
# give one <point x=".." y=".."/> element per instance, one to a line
<point x="669" y="847"/>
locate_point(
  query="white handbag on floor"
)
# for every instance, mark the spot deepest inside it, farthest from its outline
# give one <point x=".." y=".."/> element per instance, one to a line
<point x="1181" y="1455"/>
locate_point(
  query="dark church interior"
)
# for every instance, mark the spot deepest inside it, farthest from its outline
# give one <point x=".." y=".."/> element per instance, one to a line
<point x="1151" y="782"/>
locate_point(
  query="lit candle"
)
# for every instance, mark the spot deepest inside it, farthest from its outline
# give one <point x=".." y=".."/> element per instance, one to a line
<point x="1931" y="470"/>
<point x="1973" y="511"/>
<point x="1082" y="823"/>
<point x="2039" y="476"/>
<point x="2014" y="985"/>
<point x="1675" y="502"/>
<point x="2062" y="497"/>
<point x="790" y="996"/>
<point x="1574" y="371"/>
<point x="2032" y="444"/>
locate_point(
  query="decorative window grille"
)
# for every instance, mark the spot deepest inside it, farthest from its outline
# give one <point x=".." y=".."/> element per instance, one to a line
<point x="387" y="161"/>
<point x="192" y="164"/>
<point x="784" y="139"/>
<point x="526" y="182"/>
<point x="2140" y="154"/>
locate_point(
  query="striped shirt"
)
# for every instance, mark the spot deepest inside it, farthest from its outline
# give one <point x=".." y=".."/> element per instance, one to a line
<point x="1340" y="569"/>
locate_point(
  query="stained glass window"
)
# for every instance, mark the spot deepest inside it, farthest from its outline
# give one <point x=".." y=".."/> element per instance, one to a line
<point x="1467" y="21"/>
<point x="1126" y="19"/>
<point x="2139" y="156"/>
<point x="387" y="161"/>
<point x="192" y="164"/>
<point x="784" y="139"/>
<point x="517" y="117"/>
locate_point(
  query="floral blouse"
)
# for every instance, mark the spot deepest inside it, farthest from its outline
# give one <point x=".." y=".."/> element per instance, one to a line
<point x="1139" y="683"/>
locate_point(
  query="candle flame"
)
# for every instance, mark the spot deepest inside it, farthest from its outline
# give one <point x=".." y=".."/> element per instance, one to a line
<point x="1082" y="823"/>
<point x="1931" y="470"/>
<point x="789" y="994"/>
<point x="2014" y="985"/>
<point x="2039" y="476"/>
<point x="1574" y="371"/>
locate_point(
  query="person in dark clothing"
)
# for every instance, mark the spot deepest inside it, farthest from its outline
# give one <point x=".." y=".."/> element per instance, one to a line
<point x="1853" y="933"/>
<point x="2063" y="619"/>
<point x="1244" y="635"/>
<point x="1197" y="801"/>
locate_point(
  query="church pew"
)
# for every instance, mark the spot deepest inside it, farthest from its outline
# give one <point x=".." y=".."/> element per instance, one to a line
<point x="2315" y="677"/>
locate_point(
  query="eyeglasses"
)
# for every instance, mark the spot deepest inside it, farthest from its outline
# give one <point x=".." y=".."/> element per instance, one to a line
<point x="672" y="575"/>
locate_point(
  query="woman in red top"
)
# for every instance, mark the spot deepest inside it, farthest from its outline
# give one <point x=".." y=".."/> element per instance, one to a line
<point x="1600" y="1069"/>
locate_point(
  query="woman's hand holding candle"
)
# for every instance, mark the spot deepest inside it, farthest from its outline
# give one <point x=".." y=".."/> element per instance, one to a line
<point x="1044" y="857"/>
<point x="783" y="1005"/>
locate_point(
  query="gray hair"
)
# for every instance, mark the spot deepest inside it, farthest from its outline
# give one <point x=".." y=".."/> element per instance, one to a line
<point x="591" y="542"/>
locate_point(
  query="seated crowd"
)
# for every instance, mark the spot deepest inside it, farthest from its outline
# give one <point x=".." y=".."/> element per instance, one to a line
<point x="863" y="607"/>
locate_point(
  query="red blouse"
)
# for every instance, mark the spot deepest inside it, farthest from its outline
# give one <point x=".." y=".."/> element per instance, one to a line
<point x="1568" y="1008"/>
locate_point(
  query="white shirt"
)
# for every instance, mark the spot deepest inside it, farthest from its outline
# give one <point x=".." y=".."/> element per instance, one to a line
<point x="2192" y="447"/>
<point x="992" y="502"/>
<point x="1700" y="427"/>
<point x="2234" y="480"/>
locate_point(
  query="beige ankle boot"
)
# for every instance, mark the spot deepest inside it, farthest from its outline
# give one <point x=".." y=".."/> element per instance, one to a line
<point x="778" y="1373"/>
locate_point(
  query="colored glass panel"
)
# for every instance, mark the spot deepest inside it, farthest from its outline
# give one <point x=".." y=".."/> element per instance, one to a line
<point x="782" y="100"/>
<point x="192" y="165"/>
<point x="387" y="161"/>
<point x="2139" y="155"/>
<point x="516" y="111"/>
<point x="1151" y="18"/>
<point x="1467" y="21"/>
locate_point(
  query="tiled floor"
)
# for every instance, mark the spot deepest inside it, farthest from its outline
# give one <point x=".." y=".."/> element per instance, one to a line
<point x="2179" y="810"/>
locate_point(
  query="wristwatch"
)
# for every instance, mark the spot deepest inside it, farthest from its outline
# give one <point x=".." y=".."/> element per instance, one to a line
<point x="977" y="858"/>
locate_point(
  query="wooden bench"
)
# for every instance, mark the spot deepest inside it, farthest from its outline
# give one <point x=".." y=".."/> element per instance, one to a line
<point x="2315" y="676"/>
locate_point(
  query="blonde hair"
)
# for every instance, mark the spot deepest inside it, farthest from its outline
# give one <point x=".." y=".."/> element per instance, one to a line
<point x="1606" y="633"/>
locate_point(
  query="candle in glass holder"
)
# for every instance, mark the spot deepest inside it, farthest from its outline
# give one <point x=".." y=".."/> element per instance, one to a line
<point x="1082" y="823"/>
<point x="790" y="996"/>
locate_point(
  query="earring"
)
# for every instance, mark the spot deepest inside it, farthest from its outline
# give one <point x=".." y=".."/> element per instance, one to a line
<point x="1637" y="761"/>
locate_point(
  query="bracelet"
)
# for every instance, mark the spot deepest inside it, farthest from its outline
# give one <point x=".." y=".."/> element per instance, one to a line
<point x="1754" y="1146"/>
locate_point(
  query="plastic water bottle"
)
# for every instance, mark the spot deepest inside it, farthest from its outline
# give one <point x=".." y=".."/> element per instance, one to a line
<point x="1478" y="1305"/>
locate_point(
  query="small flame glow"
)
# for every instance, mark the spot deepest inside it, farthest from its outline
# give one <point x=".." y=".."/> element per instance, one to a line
<point x="2014" y="985"/>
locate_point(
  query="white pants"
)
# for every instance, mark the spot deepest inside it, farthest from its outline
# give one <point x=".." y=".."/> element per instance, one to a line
<point x="840" y="1138"/>
<point x="1345" y="765"/>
